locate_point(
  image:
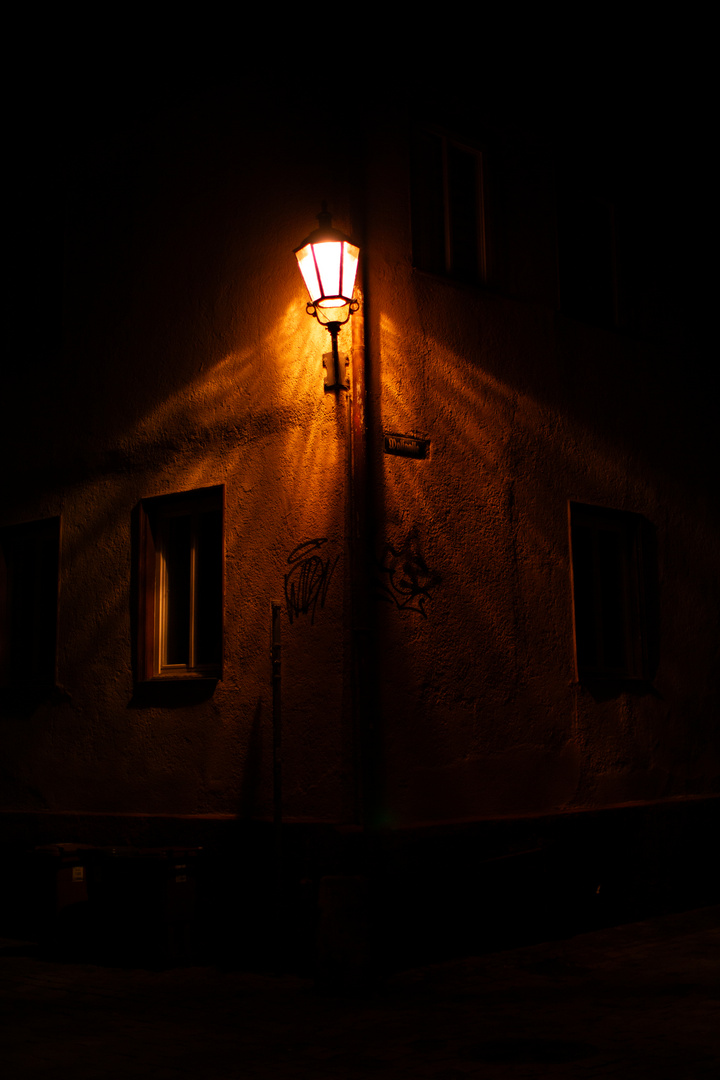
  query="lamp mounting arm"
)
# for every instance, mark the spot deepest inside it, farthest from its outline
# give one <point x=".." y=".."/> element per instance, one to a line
<point x="337" y="382"/>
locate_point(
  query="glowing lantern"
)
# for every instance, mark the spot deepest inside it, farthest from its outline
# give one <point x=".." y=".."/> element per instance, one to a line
<point x="328" y="262"/>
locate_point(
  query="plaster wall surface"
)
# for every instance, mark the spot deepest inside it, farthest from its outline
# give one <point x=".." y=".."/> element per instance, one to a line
<point x="526" y="409"/>
<point x="190" y="362"/>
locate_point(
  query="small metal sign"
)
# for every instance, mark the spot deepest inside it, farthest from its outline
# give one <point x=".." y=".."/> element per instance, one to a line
<point x="406" y="446"/>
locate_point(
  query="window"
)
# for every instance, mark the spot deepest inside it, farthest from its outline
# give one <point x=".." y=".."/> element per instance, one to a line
<point x="29" y="584"/>
<point x="612" y="593"/>
<point x="447" y="207"/>
<point x="181" y="572"/>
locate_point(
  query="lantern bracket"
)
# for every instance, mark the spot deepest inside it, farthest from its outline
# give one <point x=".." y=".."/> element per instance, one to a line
<point x="323" y="314"/>
<point x="333" y="379"/>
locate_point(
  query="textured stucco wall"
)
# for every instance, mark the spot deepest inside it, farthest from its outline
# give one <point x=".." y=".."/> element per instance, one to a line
<point x="190" y="361"/>
<point x="526" y="409"/>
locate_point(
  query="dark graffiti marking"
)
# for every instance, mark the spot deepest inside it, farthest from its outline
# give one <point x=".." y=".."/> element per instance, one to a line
<point x="407" y="580"/>
<point x="307" y="583"/>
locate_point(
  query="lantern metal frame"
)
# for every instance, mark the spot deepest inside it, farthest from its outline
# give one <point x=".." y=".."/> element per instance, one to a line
<point x="330" y="315"/>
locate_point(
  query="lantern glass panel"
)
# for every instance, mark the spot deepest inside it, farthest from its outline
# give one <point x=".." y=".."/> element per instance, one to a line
<point x="306" y="263"/>
<point x="329" y="263"/>
<point x="349" y="270"/>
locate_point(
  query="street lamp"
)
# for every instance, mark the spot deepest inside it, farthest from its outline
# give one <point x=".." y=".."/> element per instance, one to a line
<point x="328" y="262"/>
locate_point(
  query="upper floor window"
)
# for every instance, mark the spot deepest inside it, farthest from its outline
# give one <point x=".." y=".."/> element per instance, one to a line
<point x="612" y="593"/>
<point x="448" y="225"/>
<point x="181" y="547"/>
<point x="29" y="586"/>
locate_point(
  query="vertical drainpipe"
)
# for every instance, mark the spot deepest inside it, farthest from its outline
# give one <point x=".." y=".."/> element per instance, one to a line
<point x="367" y="929"/>
<point x="276" y="660"/>
<point x="360" y="534"/>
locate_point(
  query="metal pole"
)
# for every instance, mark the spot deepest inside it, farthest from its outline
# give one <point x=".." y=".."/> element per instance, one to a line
<point x="276" y="658"/>
<point x="363" y="667"/>
<point x="333" y="380"/>
<point x="334" y="328"/>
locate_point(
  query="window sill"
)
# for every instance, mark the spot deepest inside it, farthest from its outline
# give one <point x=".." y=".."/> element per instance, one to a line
<point x="173" y="692"/>
<point x="184" y="676"/>
<point x="472" y="284"/>
<point x="606" y="687"/>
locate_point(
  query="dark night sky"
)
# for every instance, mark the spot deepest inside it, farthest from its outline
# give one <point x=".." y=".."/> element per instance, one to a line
<point x="646" y="97"/>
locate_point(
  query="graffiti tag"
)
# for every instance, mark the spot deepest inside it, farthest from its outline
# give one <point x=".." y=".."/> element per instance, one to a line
<point x="307" y="583"/>
<point x="407" y="581"/>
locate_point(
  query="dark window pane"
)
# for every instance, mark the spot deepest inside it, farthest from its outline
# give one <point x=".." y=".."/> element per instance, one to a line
<point x="586" y="614"/>
<point x="176" y="551"/>
<point x="208" y="588"/>
<point x="611" y="573"/>
<point x="180" y="578"/>
<point x="446" y="207"/>
<point x="428" y="204"/>
<point x="611" y="631"/>
<point x="31" y="557"/>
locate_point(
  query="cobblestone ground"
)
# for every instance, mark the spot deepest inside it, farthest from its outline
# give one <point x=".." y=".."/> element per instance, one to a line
<point x="638" y="1001"/>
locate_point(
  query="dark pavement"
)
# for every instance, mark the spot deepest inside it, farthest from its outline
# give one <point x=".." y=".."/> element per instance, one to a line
<point x="635" y="1001"/>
